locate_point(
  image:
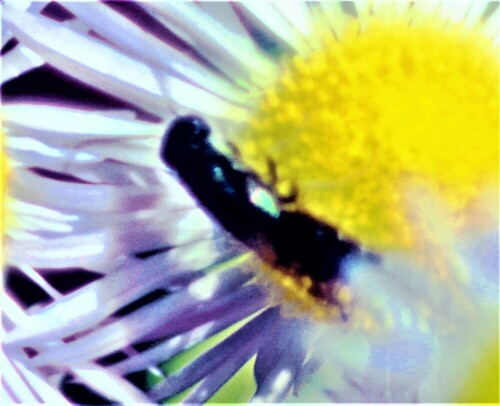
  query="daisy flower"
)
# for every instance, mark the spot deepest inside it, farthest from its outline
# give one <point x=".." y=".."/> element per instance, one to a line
<point x="120" y="287"/>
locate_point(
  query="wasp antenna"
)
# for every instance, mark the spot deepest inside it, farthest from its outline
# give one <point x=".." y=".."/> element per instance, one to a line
<point x="234" y="149"/>
<point x="273" y="171"/>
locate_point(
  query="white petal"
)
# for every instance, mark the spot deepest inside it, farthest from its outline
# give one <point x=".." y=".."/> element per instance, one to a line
<point x="81" y="197"/>
<point x="62" y="252"/>
<point x="336" y="17"/>
<point x="173" y="227"/>
<point x="402" y="7"/>
<point x="383" y="8"/>
<point x="224" y="14"/>
<point x="454" y="11"/>
<point x="30" y="223"/>
<point x="48" y="393"/>
<point x="17" y="384"/>
<point x="93" y="303"/>
<point x="298" y="15"/>
<point x="130" y="152"/>
<point x="491" y="26"/>
<point x="12" y="310"/>
<point x="29" y="144"/>
<point x="149" y="49"/>
<point x="129" y="328"/>
<point x="273" y="20"/>
<point x="196" y="99"/>
<point x="58" y="121"/>
<point x="233" y="54"/>
<point x="364" y="9"/>
<point x="102" y="66"/>
<point x="20" y="4"/>
<point x="19" y="61"/>
<point x="476" y="11"/>
<point x="422" y="11"/>
<point x="22" y="208"/>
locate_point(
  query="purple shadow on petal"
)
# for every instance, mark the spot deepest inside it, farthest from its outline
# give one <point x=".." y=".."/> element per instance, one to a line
<point x="280" y="361"/>
<point x="155" y="352"/>
<point x="49" y="85"/>
<point x="150" y="24"/>
<point x="57" y="12"/>
<point x="248" y="338"/>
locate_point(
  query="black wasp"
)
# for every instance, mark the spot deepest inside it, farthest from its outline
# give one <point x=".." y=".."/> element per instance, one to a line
<point x="290" y="240"/>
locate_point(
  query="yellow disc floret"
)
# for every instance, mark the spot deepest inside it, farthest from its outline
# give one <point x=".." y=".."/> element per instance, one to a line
<point x="357" y="121"/>
<point x="3" y="191"/>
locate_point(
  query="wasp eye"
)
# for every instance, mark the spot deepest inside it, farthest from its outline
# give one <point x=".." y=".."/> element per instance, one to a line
<point x="184" y="133"/>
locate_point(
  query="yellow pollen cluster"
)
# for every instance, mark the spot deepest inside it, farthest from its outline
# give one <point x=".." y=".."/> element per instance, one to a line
<point x="4" y="169"/>
<point x="356" y="122"/>
<point x="292" y="292"/>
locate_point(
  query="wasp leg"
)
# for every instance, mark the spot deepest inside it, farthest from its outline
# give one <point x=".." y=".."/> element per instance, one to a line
<point x="234" y="149"/>
<point x="273" y="174"/>
<point x="290" y="197"/>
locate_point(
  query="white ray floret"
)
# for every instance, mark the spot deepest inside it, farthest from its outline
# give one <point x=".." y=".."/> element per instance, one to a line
<point x="53" y="121"/>
<point x="236" y="55"/>
<point x="112" y="71"/>
<point x="149" y="49"/>
<point x="269" y="16"/>
<point x="19" y="61"/>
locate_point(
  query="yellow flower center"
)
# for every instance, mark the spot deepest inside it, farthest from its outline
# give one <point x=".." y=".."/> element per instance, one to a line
<point x="359" y="120"/>
<point x="3" y="190"/>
